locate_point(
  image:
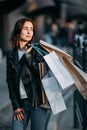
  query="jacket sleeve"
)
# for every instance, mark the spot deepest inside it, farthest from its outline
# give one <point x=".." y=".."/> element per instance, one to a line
<point x="9" y="81"/>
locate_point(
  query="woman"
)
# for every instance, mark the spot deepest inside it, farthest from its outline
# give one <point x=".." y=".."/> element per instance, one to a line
<point x="23" y="79"/>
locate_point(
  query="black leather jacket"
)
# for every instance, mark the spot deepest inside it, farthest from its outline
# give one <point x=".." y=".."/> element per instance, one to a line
<point x="26" y="69"/>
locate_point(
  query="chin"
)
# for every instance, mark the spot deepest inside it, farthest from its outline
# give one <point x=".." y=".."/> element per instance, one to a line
<point x="28" y="40"/>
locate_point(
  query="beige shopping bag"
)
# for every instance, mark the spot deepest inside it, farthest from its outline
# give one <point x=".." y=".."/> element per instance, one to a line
<point x="48" y="47"/>
<point x="42" y="72"/>
<point x="42" y="69"/>
<point x="79" y="77"/>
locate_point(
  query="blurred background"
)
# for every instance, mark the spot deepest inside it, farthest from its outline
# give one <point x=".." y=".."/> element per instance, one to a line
<point x="62" y="23"/>
<point x="63" y="19"/>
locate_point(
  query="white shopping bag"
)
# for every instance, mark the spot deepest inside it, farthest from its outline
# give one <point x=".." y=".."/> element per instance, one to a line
<point x="60" y="72"/>
<point x="53" y="93"/>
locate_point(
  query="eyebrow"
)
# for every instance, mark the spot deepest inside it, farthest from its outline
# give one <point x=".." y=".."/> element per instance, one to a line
<point x="27" y="27"/>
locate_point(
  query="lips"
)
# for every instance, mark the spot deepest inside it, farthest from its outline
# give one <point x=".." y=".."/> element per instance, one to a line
<point x="28" y="36"/>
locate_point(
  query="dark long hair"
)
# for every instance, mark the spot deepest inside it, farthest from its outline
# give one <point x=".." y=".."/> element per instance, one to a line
<point x="17" y="30"/>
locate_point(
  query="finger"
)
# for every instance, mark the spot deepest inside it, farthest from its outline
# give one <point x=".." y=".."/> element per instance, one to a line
<point x="22" y="110"/>
<point x="20" y="117"/>
<point x="29" y="50"/>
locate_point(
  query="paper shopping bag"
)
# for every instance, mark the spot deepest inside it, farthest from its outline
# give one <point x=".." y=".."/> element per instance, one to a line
<point x="42" y="73"/>
<point x="79" y="77"/>
<point x="59" y="71"/>
<point x="48" y="47"/>
<point x="53" y="94"/>
<point x="42" y="69"/>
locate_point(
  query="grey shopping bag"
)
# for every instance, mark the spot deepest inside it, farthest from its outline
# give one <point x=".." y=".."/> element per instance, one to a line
<point x="53" y="93"/>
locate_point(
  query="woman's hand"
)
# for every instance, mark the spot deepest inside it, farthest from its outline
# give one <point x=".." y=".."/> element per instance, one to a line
<point x="29" y="49"/>
<point x="19" y="114"/>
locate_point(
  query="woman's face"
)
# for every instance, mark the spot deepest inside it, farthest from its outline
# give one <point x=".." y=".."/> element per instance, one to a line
<point x="27" y="32"/>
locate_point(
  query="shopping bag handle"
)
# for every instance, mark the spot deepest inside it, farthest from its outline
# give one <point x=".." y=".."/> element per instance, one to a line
<point x="39" y="50"/>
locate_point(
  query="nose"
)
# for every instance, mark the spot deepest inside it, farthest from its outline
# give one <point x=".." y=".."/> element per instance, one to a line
<point x="28" y="31"/>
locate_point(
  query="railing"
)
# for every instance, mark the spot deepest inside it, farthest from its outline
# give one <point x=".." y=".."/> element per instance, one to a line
<point x="80" y="105"/>
<point x="80" y="55"/>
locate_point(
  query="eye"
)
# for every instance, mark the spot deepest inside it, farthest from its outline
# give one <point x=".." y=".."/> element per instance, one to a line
<point x="28" y="29"/>
<point x="25" y="28"/>
<point x="31" y="28"/>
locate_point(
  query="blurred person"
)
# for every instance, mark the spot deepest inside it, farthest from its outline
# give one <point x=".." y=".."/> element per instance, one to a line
<point x="63" y="32"/>
<point x="23" y="79"/>
<point x="71" y="33"/>
<point x="53" y="36"/>
<point x="48" y="22"/>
